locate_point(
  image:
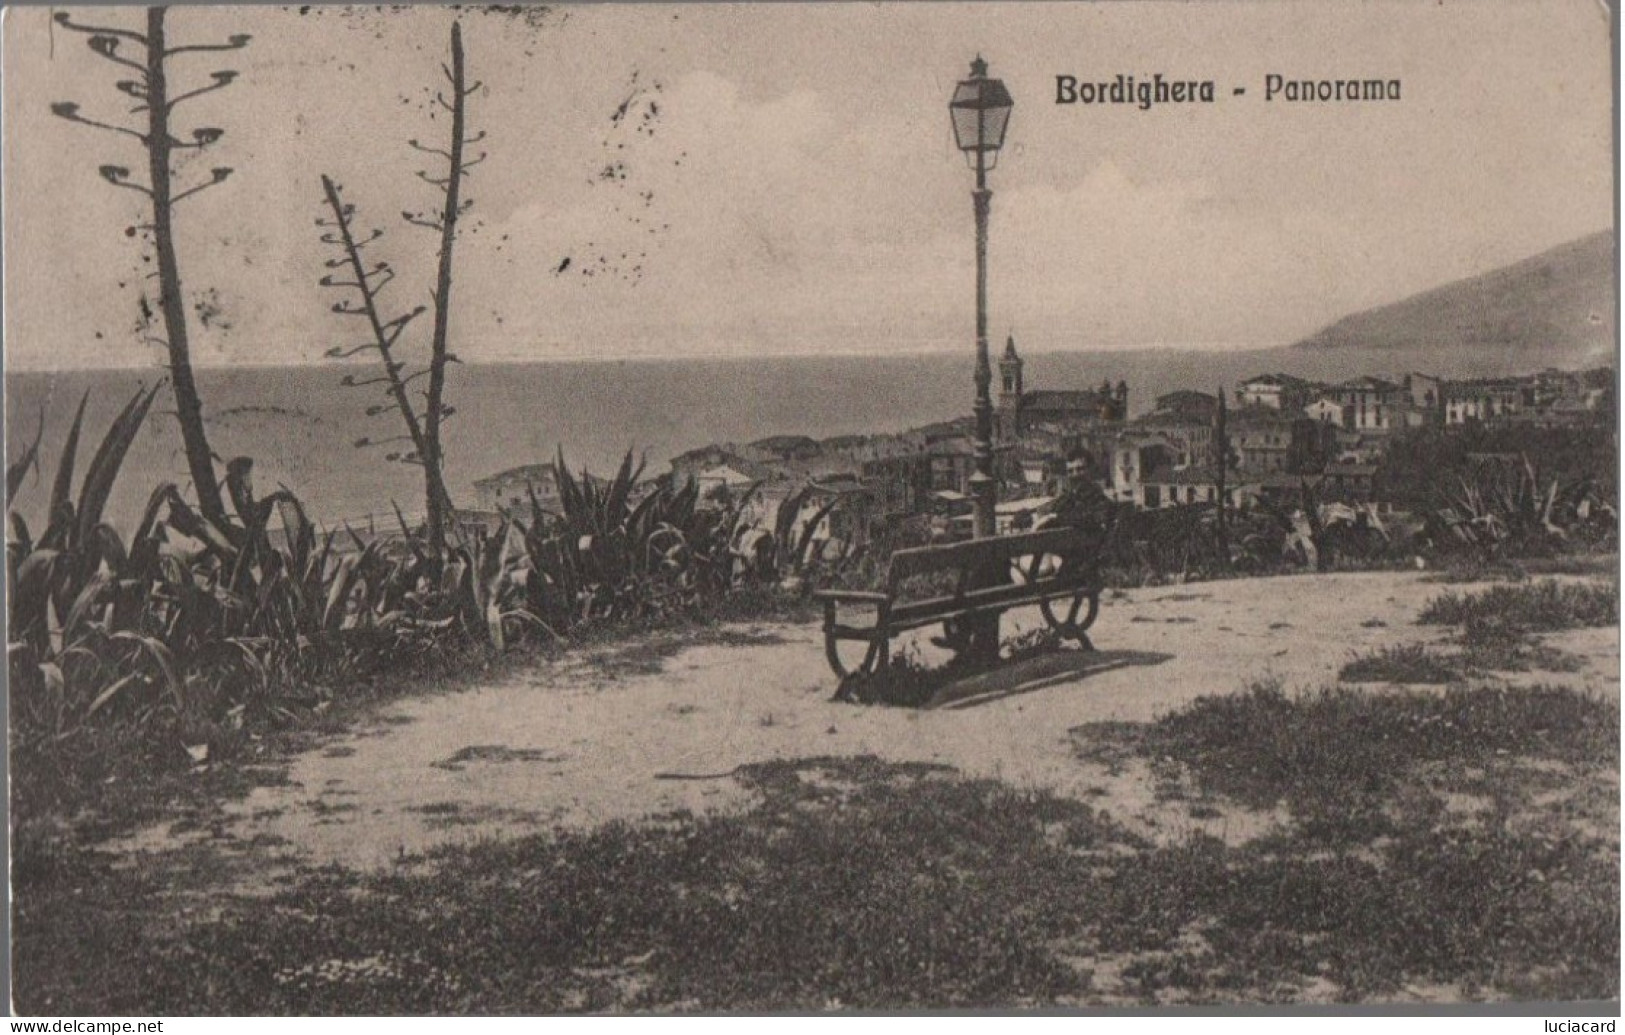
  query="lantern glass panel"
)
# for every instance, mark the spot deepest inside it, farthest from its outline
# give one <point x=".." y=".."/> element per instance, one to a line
<point x="981" y="112"/>
<point x="966" y="128"/>
<point x="993" y="125"/>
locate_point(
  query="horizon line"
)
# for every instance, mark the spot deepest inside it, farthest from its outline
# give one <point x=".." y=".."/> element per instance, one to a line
<point x="650" y="357"/>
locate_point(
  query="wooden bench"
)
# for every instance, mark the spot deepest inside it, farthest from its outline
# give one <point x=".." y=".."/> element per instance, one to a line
<point x="1057" y="569"/>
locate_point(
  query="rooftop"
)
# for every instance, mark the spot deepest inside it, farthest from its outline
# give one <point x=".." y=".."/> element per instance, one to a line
<point x="1278" y="380"/>
<point x="1173" y="419"/>
<point x="1058" y="399"/>
<point x="1368" y="383"/>
<point x="785" y="444"/>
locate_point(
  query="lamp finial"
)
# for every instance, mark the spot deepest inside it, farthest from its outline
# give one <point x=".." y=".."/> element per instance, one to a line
<point x="978" y="68"/>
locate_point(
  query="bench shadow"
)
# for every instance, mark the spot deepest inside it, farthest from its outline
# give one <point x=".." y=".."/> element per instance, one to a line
<point x="1031" y="675"/>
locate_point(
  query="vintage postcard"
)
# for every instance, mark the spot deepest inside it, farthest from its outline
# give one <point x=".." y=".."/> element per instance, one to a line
<point x="820" y="507"/>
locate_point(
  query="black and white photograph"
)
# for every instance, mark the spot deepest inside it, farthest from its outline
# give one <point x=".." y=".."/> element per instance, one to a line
<point x="812" y="508"/>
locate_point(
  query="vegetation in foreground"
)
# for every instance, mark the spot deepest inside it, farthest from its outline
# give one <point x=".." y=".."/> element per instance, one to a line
<point x="1463" y="568"/>
<point x="1340" y="756"/>
<point x="1499" y="633"/>
<point x="1544" y="606"/>
<point x="859" y="884"/>
<point x="192" y="637"/>
<point x="1408" y="663"/>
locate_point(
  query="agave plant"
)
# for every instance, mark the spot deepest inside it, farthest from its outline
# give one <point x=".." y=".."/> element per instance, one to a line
<point x="74" y="639"/>
<point x="1304" y="529"/>
<point x="190" y="617"/>
<point x="608" y="553"/>
<point x="796" y="559"/>
<point x="1505" y="506"/>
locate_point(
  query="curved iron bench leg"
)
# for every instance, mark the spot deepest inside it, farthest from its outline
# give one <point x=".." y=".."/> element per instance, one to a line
<point x="1071" y="628"/>
<point x="875" y="659"/>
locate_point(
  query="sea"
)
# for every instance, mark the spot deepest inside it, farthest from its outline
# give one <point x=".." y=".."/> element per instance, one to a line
<point x="301" y="426"/>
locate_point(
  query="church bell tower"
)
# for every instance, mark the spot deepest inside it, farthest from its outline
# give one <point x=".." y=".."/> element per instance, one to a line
<point x="1010" y="389"/>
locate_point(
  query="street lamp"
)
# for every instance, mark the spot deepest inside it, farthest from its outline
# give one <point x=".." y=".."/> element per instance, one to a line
<point x="981" y="111"/>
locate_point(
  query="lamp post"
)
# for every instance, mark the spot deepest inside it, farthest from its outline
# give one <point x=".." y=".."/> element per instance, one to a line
<point x="981" y="110"/>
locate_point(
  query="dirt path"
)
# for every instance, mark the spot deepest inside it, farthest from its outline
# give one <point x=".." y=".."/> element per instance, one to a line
<point x="634" y="731"/>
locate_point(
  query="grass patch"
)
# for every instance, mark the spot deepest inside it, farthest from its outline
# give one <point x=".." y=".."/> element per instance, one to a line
<point x="1411" y="663"/>
<point x="1545" y="606"/>
<point x="1515" y="654"/>
<point x="1474" y="568"/>
<point x="1415" y="664"/>
<point x="1489" y="816"/>
<point x="854" y="884"/>
<point x="1338" y="756"/>
<point x="1498" y="625"/>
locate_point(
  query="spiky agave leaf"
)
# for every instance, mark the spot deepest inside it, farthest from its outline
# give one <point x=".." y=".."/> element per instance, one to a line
<point x="339" y="589"/>
<point x="31" y="596"/>
<point x="592" y="506"/>
<point x="19" y="546"/>
<point x="104" y="466"/>
<point x="162" y="656"/>
<point x="684" y="502"/>
<point x="800" y="555"/>
<point x="15" y="473"/>
<point x="108" y="693"/>
<point x="785" y="520"/>
<point x="620" y="489"/>
<point x="189" y="522"/>
<point x="641" y="525"/>
<point x="736" y="514"/>
<point x="139" y="569"/>
<point x="571" y="497"/>
<point x="62" y="487"/>
<point x="413" y="543"/>
<point x="93" y="596"/>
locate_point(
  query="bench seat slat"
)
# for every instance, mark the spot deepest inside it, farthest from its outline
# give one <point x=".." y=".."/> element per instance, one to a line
<point x="977" y="553"/>
<point x="856" y="596"/>
<point x="983" y="563"/>
<point x="924" y="612"/>
<point x="920" y="621"/>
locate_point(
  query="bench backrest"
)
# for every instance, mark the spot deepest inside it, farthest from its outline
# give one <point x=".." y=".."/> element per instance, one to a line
<point x="988" y="554"/>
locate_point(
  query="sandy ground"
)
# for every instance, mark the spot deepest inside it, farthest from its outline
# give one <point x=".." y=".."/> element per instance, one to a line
<point x="625" y="733"/>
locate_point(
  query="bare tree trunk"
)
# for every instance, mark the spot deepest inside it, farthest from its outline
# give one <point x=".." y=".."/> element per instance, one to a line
<point x="383" y="334"/>
<point x="188" y="404"/>
<point x="432" y="466"/>
<point x="1221" y="448"/>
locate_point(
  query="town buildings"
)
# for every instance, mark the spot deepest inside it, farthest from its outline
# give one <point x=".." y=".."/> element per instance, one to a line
<point x="1282" y="433"/>
<point x="1019" y="409"/>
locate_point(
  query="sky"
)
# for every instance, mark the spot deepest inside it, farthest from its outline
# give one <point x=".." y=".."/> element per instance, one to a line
<point x="782" y="178"/>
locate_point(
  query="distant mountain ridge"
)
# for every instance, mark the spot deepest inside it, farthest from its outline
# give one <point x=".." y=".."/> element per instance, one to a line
<point x="1553" y="309"/>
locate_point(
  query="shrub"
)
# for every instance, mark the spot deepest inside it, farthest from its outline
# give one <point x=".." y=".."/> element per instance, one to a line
<point x="611" y="555"/>
<point x="193" y="630"/>
<point x="1412" y="663"/>
<point x="1544" y="606"/>
<point x="1334" y="751"/>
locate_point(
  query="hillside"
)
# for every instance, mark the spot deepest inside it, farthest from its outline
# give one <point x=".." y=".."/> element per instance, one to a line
<point x="1554" y="309"/>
